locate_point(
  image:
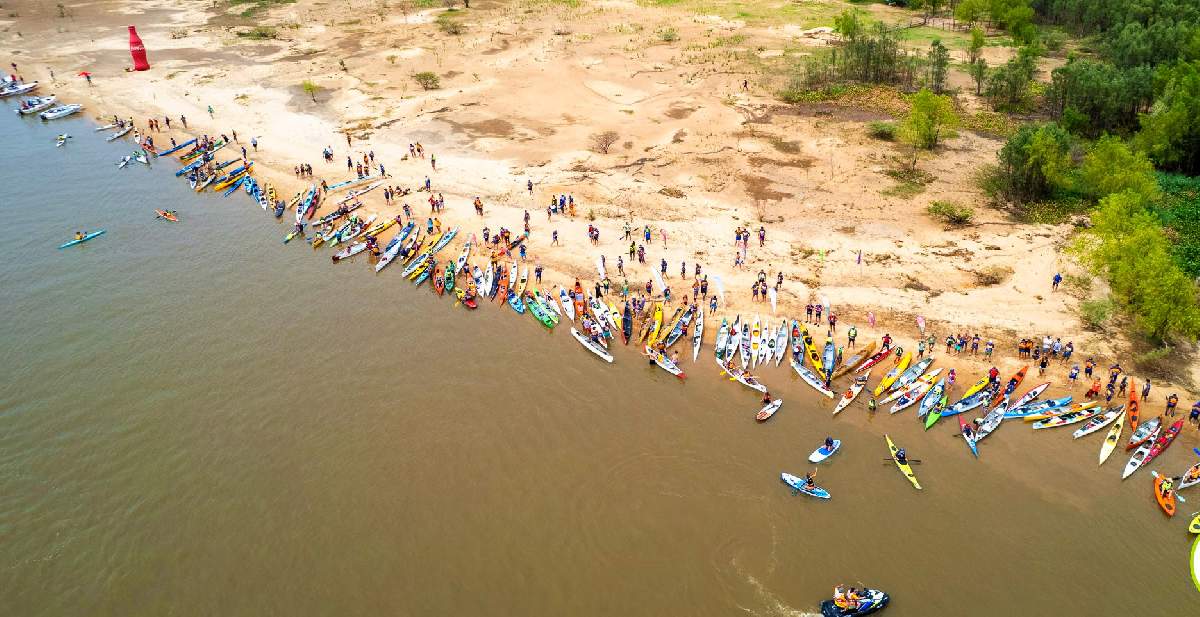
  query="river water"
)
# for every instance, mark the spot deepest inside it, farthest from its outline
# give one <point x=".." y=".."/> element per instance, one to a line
<point x="200" y="420"/>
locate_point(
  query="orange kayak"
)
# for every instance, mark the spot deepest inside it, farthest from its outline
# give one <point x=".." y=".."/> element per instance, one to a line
<point x="1133" y="407"/>
<point x="1010" y="387"/>
<point x="167" y="215"/>
<point x="1167" y="503"/>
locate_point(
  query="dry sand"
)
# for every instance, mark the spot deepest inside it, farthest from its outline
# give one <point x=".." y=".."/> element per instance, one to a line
<point x="521" y="91"/>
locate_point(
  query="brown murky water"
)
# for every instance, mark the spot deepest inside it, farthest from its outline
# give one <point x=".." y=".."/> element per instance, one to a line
<point x="198" y="420"/>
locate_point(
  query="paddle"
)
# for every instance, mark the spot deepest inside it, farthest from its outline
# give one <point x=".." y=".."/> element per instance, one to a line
<point x="911" y="461"/>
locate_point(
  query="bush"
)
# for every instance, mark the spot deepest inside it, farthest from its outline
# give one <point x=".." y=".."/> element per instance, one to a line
<point x="428" y="80"/>
<point x="668" y="35"/>
<point x="259" y="33"/>
<point x="1096" y="313"/>
<point x="448" y="24"/>
<point x="885" y="131"/>
<point x="951" y="213"/>
<point x="602" y="142"/>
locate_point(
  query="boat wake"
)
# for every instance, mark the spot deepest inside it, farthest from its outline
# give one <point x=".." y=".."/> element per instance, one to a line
<point x="771" y="605"/>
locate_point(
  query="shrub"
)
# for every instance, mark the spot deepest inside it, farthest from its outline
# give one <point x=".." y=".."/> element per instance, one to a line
<point x="885" y="131"/>
<point x="428" y="80"/>
<point x="448" y="24"/>
<point x="951" y="213"/>
<point x="1096" y="313"/>
<point x="602" y="142"/>
<point x="668" y="35"/>
<point x="259" y="33"/>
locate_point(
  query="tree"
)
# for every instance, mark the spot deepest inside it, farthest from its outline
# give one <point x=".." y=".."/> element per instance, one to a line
<point x="428" y="80"/>
<point x="1093" y="97"/>
<point x="1035" y="162"/>
<point x="1008" y="85"/>
<point x="1127" y="245"/>
<point x="930" y="7"/>
<point x="975" y="49"/>
<point x="848" y="24"/>
<point x="1111" y="167"/>
<point x="970" y="11"/>
<point x="1170" y="133"/>
<point x="930" y="117"/>
<point x="310" y="88"/>
<point x="939" y="63"/>
<point x="978" y="70"/>
<point x="603" y="142"/>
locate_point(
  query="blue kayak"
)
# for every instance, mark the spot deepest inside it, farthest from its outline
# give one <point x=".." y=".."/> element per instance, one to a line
<point x="799" y="486"/>
<point x="85" y="238"/>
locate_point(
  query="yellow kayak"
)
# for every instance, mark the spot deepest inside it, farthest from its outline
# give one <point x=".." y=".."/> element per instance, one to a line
<point x="1195" y="526"/>
<point x="380" y="227"/>
<point x="905" y="468"/>
<point x="1058" y="412"/>
<point x="657" y="319"/>
<point x="893" y="374"/>
<point x="814" y="358"/>
<point x="669" y="325"/>
<point x="979" y="385"/>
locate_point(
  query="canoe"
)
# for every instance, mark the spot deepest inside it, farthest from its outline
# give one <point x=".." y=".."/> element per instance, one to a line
<point x="1110" y="440"/>
<point x="905" y="468"/>
<point x="970" y="439"/>
<point x="893" y="374"/>
<point x="800" y="487"/>
<point x="85" y="238"/>
<point x="1143" y="433"/>
<point x="1071" y="417"/>
<point x="663" y="361"/>
<point x="811" y="379"/>
<point x="1139" y="455"/>
<point x="860" y="383"/>
<point x="874" y="359"/>
<point x="855" y="360"/>
<point x="1098" y="421"/>
<point x="931" y="397"/>
<point x="592" y="346"/>
<point x="822" y="453"/>
<point x="1166" y="502"/>
<point x="768" y="410"/>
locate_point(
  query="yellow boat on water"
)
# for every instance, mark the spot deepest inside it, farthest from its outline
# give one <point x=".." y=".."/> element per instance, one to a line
<point x="893" y="374"/>
<point x="905" y="468"/>
<point x="226" y="183"/>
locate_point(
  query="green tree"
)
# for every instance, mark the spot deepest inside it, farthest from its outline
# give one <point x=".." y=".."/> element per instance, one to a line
<point x="939" y="64"/>
<point x="1111" y="167"/>
<point x="310" y="88"/>
<point x="1127" y="245"/>
<point x="849" y="24"/>
<point x="1008" y="85"/>
<point x="1170" y="133"/>
<point x="978" y="71"/>
<point x="1035" y="162"/>
<point x="975" y="48"/>
<point x="931" y="116"/>
<point x="970" y="11"/>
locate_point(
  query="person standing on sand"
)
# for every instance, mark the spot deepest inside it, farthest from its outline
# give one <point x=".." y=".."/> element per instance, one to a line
<point x="1146" y="390"/>
<point x="183" y="119"/>
<point x="210" y="111"/>
<point x="1057" y="279"/>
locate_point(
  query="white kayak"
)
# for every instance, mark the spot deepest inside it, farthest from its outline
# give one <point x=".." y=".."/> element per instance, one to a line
<point x="798" y="485"/>
<point x="666" y="363"/>
<point x="811" y="378"/>
<point x="698" y="333"/>
<point x="740" y="376"/>
<point x="860" y="382"/>
<point x="568" y="307"/>
<point x="823" y="452"/>
<point x="592" y="346"/>
<point x="1098" y="422"/>
<point x="768" y="410"/>
<point x="1139" y="456"/>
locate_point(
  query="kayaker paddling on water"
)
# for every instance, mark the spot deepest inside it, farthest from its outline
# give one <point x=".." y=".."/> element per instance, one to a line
<point x="901" y="456"/>
<point x="809" y="480"/>
<point x="79" y="235"/>
<point x="829" y="443"/>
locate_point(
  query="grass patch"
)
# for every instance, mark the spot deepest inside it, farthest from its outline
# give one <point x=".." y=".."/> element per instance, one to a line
<point x="909" y="183"/>
<point x="260" y="33"/>
<point x="254" y="6"/>
<point x="1096" y="313"/>
<point x="885" y="131"/>
<point x="951" y="213"/>
<point x="1054" y="212"/>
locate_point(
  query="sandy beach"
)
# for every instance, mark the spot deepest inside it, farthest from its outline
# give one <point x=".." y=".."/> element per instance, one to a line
<point x="703" y="147"/>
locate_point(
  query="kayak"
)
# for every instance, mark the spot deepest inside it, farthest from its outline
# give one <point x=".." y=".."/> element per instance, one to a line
<point x="177" y="148"/>
<point x="768" y="410"/>
<point x="1050" y="413"/>
<point x="1134" y="407"/>
<point x="908" y="377"/>
<point x="1012" y="384"/>
<point x="627" y="325"/>
<point x="697" y="333"/>
<point x="991" y="421"/>
<point x="1110" y="440"/>
<point x="931" y="398"/>
<point x="894" y="374"/>
<point x="1139" y="455"/>
<point x="722" y="339"/>
<point x="1029" y="396"/>
<point x="1166" y="502"/>
<point x="755" y="340"/>
<point x="1071" y="417"/>
<point x="514" y="301"/>
<point x="1164" y="441"/>
<point x="873" y="360"/>
<point x="968" y="403"/>
<point x="781" y="343"/>
<point x="1099" y="421"/>
<point x="1143" y="433"/>
<point x="1039" y="407"/>
<point x="85" y="238"/>
<point x="592" y="346"/>
<point x="163" y="214"/>
<point x="822" y="453"/>
<point x="935" y="414"/>
<point x="905" y="468"/>
<point x="800" y="486"/>
<point x="119" y="134"/>
<point x="62" y="111"/>
<point x="740" y="376"/>
<point x="869" y="601"/>
<point x="731" y="344"/>
<point x="667" y="365"/>
<point x="907" y="398"/>
<point x="860" y="382"/>
<point x="462" y="297"/>
<point x="970" y="439"/>
<point x="567" y="306"/>
<point x="349" y="251"/>
<point x="1191" y="477"/>
<point x="810" y="349"/>
<point x="811" y="378"/>
<point x="855" y="360"/>
<point x="1194" y="526"/>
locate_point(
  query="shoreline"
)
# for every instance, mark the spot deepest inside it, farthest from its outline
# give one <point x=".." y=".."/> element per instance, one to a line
<point x="477" y="175"/>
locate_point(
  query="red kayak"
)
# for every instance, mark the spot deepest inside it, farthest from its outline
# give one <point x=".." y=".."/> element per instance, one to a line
<point x="873" y="360"/>
<point x="1164" y="441"/>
